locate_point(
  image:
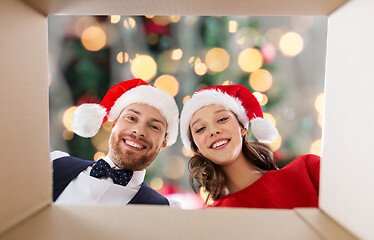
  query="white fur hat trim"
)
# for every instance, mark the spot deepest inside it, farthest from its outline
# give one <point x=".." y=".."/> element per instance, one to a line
<point x="87" y="119"/>
<point x="264" y="130"/>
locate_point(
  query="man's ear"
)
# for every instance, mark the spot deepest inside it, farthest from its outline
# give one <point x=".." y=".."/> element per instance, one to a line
<point x="163" y="145"/>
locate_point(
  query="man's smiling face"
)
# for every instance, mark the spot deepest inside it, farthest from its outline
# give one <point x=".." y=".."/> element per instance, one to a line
<point x="138" y="135"/>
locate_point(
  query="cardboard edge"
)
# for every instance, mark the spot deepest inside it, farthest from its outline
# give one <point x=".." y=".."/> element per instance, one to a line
<point x="323" y="225"/>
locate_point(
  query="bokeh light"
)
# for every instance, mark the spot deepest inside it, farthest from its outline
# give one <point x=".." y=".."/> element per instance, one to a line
<point x="115" y="19"/>
<point x="177" y="54"/>
<point x="175" y="19"/>
<point x="261" y="80"/>
<point x="167" y="83"/>
<point x="186" y="98"/>
<point x="99" y="155"/>
<point x="291" y="44"/>
<point x="93" y="38"/>
<point x="67" y="135"/>
<point x="120" y="57"/>
<point x="167" y="64"/>
<point x="271" y="118"/>
<point x="319" y="102"/>
<point x="152" y="38"/>
<point x="233" y="26"/>
<point x="217" y="59"/>
<point x="201" y="69"/>
<point x="315" y="147"/>
<point x="129" y="23"/>
<point x="276" y="144"/>
<point x="186" y="152"/>
<point x="144" y="67"/>
<point x="320" y="120"/>
<point x="68" y="115"/>
<point x="161" y="20"/>
<point x="250" y="60"/>
<point x="100" y="141"/>
<point x="227" y="82"/>
<point x="156" y="183"/>
<point x="175" y="168"/>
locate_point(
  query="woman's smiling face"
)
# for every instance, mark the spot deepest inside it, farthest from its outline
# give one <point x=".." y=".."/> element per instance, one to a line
<point x="217" y="134"/>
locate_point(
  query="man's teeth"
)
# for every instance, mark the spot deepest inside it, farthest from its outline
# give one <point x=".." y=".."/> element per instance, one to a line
<point x="134" y="144"/>
<point x="220" y="143"/>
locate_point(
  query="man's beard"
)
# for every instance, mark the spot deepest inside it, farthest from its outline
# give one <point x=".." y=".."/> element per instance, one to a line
<point x="126" y="159"/>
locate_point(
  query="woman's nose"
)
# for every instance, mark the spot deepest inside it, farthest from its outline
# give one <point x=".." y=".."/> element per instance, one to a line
<point x="216" y="132"/>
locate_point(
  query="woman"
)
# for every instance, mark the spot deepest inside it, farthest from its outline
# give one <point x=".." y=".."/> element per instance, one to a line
<point x="234" y="171"/>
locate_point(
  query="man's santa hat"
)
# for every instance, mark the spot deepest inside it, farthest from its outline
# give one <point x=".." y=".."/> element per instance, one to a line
<point x="236" y="98"/>
<point x="87" y="119"/>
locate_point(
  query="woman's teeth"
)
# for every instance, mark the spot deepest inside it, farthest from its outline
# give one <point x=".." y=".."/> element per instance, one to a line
<point x="219" y="143"/>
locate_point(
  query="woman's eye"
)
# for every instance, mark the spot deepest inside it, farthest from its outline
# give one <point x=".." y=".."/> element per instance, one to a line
<point x="222" y="119"/>
<point x="131" y="118"/>
<point x="199" y="130"/>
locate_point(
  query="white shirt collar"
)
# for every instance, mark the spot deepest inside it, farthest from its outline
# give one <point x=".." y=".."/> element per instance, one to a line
<point x="137" y="176"/>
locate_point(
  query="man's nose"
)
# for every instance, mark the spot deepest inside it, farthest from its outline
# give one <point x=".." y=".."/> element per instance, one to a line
<point x="139" y="130"/>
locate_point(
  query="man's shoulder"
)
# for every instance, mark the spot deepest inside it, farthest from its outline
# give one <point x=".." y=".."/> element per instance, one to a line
<point x="147" y="195"/>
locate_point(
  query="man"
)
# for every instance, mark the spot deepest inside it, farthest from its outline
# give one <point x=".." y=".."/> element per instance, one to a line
<point x="145" y="121"/>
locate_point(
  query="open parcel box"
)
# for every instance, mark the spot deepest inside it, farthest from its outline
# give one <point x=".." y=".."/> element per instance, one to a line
<point x="347" y="183"/>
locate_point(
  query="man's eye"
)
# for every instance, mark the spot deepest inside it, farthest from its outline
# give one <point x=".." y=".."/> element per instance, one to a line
<point x="200" y="129"/>
<point x="155" y="127"/>
<point x="222" y="119"/>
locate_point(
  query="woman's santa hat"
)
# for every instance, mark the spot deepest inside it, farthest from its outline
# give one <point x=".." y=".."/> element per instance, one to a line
<point x="236" y="98"/>
<point x="87" y="119"/>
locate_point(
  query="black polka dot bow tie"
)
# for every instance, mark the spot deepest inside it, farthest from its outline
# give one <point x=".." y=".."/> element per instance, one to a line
<point x="102" y="169"/>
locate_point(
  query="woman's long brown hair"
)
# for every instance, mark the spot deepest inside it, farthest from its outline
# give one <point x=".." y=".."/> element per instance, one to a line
<point x="209" y="175"/>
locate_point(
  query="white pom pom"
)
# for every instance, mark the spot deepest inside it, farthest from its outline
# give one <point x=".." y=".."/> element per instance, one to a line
<point x="264" y="130"/>
<point x="87" y="119"/>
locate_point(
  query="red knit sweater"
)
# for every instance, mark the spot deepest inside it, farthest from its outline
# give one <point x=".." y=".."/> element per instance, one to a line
<point x="294" y="185"/>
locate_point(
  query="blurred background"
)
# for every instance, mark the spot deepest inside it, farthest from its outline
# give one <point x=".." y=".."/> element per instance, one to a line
<point x="280" y="59"/>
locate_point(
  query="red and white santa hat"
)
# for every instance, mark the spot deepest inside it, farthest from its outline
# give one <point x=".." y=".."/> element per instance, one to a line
<point x="88" y="118"/>
<point x="236" y="98"/>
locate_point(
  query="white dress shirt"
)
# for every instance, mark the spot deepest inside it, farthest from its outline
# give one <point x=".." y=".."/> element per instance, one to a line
<point x="85" y="189"/>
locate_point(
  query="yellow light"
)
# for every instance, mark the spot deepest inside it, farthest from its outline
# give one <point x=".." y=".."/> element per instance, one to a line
<point x="276" y="144"/>
<point x="291" y="44"/>
<point x="175" y="19"/>
<point x="115" y="19"/>
<point x="233" y="26"/>
<point x="83" y="23"/>
<point x="161" y="20"/>
<point x="186" y="98"/>
<point x="302" y="23"/>
<point x="120" y="57"/>
<point x="187" y="153"/>
<point x="217" y="59"/>
<point x="318" y="104"/>
<point x="126" y="57"/>
<point x="201" y="69"/>
<point x="68" y="115"/>
<point x="67" y="135"/>
<point x="100" y="141"/>
<point x="204" y="195"/>
<point x="156" y="183"/>
<point x="261" y="80"/>
<point x="191" y="59"/>
<point x="250" y="60"/>
<point x="177" y="54"/>
<point x="93" y="38"/>
<point x="152" y="38"/>
<point x="144" y="67"/>
<point x="264" y="100"/>
<point x="258" y="95"/>
<point x="175" y="168"/>
<point x="129" y="23"/>
<point x="167" y="83"/>
<point x="316" y="147"/>
<point x="149" y="16"/>
<point x="99" y="155"/>
<point x="271" y="118"/>
<point x="227" y="82"/>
